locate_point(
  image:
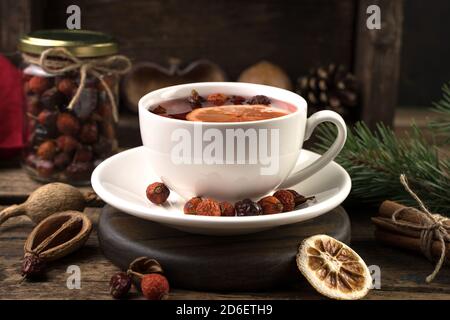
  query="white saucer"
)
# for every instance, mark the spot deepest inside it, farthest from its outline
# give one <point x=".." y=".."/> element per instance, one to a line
<point x="121" y="181"/>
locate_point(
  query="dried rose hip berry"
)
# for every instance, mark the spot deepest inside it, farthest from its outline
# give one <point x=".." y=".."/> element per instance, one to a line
<point x="218" y="99"/>
<point x="247" y="207"/>
<point x="104" y="110"/>
<point x="33" y="266"/>
<point x="110" y="81"/>
<point x="179" y="116"/>
<point x="108" y="130"/>
<point x="40" y="134"/>
<point x="270" y="205"/>
<point x="45" y="168"/>
<point x="195" y="100"/>
<point x="237" y="100"/>
<point x="61" y="160"/>
<point x="208" y="207"/>
<point x="120" y="285"/>
<point x="155" y="286"/>
<point x="46" y="150"/>
<point x="286" y="198"/>
<point x="157" y="192"/>
<point x="67" y="144"/>
<point x="190" y="206"/>
<point x="47" y="118"/>
<point x="68" y="124"/>
<point x="89" y="133"/>
<point x="26" y="87"/>
<point x="159" y="110"/>
<point x="26" y="77"/>
<point x="298" y="198"/>
<point x="83" y="154"/>
<point x="259" y="99"/>
<point x="227" y="209"/>
<point x="66" y="86"/>
<point x="31" y="160"/>
<point x="38" y="84"/>
<point x="103" y="148"/>
<point x="52" y="99"/>
<point x="79" y="170"/>
<point x="33" y="105"/>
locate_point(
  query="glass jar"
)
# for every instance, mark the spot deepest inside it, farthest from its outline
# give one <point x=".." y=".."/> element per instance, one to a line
<point x="66" y="139"/>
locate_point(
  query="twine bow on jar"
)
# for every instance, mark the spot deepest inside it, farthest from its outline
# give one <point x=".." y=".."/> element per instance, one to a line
<point x="432" y="228"/>
<point x="59" y="60"/>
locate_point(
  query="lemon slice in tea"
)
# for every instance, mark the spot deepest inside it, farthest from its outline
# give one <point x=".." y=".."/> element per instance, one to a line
<point x="235" y="113"/>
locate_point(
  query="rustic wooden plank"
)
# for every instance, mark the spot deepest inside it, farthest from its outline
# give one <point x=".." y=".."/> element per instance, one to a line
<point x="299" y="295"/>
<point x="402" y="273"/>
<point x="15" y="185"/>
<point x="234" y="36"/>
<point x="17" y="17"/>
<point x="377" y="60"/>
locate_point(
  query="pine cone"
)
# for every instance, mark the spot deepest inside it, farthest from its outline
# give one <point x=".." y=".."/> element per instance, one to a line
<point x="330" y="88"/>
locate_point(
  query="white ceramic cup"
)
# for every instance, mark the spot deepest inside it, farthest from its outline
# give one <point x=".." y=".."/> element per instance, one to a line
<point x="199" y="173"/>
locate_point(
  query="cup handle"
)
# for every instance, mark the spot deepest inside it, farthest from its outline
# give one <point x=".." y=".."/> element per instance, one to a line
<point x="311" y="123"/>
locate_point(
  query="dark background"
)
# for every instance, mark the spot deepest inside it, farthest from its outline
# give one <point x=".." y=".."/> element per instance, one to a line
<point x="233" y="33"/>
<point x="426" y="51"/>
<point x="296" y="34"/>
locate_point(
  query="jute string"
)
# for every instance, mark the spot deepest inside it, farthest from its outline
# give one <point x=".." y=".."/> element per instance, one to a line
<point x="432" y="228"/>
<point x="60" y="60"/>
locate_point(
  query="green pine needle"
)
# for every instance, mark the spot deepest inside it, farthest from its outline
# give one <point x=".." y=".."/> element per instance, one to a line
<point x="376" y="159"/>
<point x="442" y="107"/>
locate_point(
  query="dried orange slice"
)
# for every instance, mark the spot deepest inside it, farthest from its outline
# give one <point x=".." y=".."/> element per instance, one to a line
<point x="333" y="268"/>
<point x="235" y="113"/>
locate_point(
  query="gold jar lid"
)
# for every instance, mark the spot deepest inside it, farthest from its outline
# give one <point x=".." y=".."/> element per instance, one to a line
<point x="81" y="43"/>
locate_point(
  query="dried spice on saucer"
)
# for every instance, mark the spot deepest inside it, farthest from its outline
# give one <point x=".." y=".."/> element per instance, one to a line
<point x="157" y="192"/>
<point x="281" y="201"/>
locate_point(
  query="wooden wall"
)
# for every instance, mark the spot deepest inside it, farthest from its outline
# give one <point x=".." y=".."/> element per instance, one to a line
<point x="234" y="33"/>
<point x="17" y="17"/>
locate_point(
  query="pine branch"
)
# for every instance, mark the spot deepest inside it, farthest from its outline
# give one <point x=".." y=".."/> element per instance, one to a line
<point x="376" y="159"/>
<point x="442" y="107"/>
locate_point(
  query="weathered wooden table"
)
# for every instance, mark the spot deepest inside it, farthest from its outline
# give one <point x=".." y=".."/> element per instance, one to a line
<point x="402" y="274"/>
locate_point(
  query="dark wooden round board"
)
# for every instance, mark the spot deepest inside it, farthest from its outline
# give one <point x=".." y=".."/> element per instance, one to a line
<point x="230" y="263"/>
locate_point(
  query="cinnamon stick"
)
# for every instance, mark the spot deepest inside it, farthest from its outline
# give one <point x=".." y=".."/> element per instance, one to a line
<point x="388" y="225"/>
<point x="388" y="232"/>
<point x="409" y="243"/>
<point x="388" y="208"/>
